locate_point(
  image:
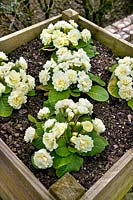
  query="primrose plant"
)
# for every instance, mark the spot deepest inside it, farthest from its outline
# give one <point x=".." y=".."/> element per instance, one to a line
<point x="15" y="84"/>
<point x="67" y="73"/>
<point x="65" y="137"/>
<point x="67" y="34"/>
<point x="121" y="82"/>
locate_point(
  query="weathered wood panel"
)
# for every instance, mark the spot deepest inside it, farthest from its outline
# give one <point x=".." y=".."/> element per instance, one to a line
<point x="115" y="183"/>
<point x="119" y="47"/>
<point x="16" y="180"/>
<point x="10" y="42"/>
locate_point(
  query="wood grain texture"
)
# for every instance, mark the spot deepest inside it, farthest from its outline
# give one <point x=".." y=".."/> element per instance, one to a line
<point x="16" y="180"/>
<point x="10" y="42"/>
<point x="115" y="183"/>
<point x="119" y="47"/>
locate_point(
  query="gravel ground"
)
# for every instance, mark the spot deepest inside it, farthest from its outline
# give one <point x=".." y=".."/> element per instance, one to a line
<point x="114" y="114"/>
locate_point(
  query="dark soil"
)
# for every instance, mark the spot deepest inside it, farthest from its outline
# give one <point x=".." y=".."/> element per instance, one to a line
<point x="114" y="114"/>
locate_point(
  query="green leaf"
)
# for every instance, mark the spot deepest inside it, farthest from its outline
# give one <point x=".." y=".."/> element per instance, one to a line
<point x="62" y="151"/>
<point x="39" y="131"/>
<point x="32" y="161"/>
<point x="75" y="94"/>
<point x="113" y="88"/>
<point x="7" y="90"/>
<point x="5" y="108"/>
<point x="38" y="143"/>
<point x="59" y="161"/>
<point x="68" y="133"/>
<point x="113" y="67"/>
<point x="45" y="87"/>
<point x="99" y="144"/>
<point x="60" y="117"/>
<point x="98" y="93"/>
<point x="32" y="93"/>
<point x="51" y="107"/>
<point x="96" y="79"/>
<point x="32" y="119"/>
<point x="90" y="50"/>
<point x="84" y="118"/>
<point x="72" y="149"/>
<point x="74" y="163"/>
<point x="54" y="56"/>
<point x="55" y="96"/>
<point x="61" y="142"/>
<point x="81" y="44"/>
<point x="130" y="103"/>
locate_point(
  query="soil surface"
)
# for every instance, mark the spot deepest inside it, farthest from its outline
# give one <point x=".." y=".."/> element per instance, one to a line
<point x="114" y="113"/>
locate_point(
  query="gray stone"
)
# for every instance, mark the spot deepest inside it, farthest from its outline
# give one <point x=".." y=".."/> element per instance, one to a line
<point x="129" y="29"/>
<point x="67" y="188"/>
<point x="111" y="29"/>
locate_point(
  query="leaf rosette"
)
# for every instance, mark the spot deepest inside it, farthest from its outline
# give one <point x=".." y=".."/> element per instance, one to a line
<point x="65" y="136"/>
<point x="15" y="85"/>
<point x="121" y="81"/>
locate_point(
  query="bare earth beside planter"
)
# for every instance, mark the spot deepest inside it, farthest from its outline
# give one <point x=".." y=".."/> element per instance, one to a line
<point x="114" y="113"/>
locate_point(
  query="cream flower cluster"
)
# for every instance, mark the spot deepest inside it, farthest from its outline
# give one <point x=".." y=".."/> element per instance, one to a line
<point x="13" y="75"/>
<point x="124" y="73"/>
<point x="63" y="34"/>
<point x="53" y="130"/>
<point x="70" y="68"/>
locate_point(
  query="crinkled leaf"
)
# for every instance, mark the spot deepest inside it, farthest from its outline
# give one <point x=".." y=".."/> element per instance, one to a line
<point x="113" y="67"/>
<point x="62" y="151"/>
<point x="113" y="88"/>
<point x="84" y="118"/>
<point x="96" y="79"/>
<point x="98" y="93"/>
<point x="130" y="103"/>
<point x="32" y="161"/>
<point x="48" y="48"/>
<point x="59" y="161"/>
<point x="72" y="149"/>
<point x="45" y="87"/>
<point x="54" y="56"/>
<point x="51" y="107"/>
<point x="39" y="131"/>
<point x="68" y="133"/>
<point x="55" y="96"/>
<point x="5" y="108"/>
<point x="32" y="119"/>
<point x="38" y="143"/>
<point x="99" y="145"/>
<point x="90" y="50"/>
<point x="81" y="44"/>
<point x="32" y="93"/>
<point x="61" y="142"/>
<point x="75" y="94"/>
<point x="60" y="117"/>
<point x="68" y="164"/>
<point x="7" y="90"/>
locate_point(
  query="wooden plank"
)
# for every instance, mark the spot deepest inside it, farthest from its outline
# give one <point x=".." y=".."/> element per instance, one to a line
<point x="16" y="180"/>
<point x="115" y="183"/>
<point x="10" y="42"/>
<point x="119" y="47"/>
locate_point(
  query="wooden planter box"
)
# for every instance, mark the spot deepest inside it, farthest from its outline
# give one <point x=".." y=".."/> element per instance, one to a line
<point x="16" y="180"/>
